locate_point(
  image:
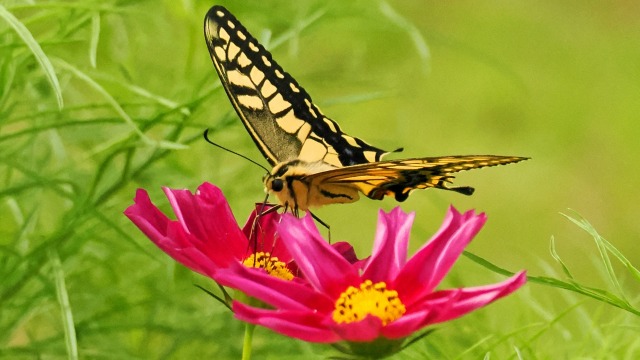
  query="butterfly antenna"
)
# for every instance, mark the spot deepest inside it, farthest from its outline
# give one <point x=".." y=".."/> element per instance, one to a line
<point x="206" y="137"/>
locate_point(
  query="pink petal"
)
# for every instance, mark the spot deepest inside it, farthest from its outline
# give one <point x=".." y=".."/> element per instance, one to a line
<point x="346" y="251"/>
<point x="262" y="234"/>
<point x="168" y="235"/>
<point x="390" y="246"/>
<point x="279" y="293"/>
<point x="343" y="248"/>
<point x="424" y="271"/>
<point x="205" y="236"/>
<point x="367" y="329"/>
<point x="408" y="324"/>
<point x="418" y="317"/>
<point x="323" y="267"/>
<point x="470" y="299"/>
<point x="147" y="217"/>
<point x="208" y="217"/>
<point x="302" y="325"/>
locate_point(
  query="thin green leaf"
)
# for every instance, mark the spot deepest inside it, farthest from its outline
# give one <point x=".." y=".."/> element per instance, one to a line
<point x="220" y="300"/>
<point x="356" y="98"/>
<point x="478" y="344"/>
<point x="554" y="254"/>
<point x="598" y="294"/>
<point x="417" y="338"/>
<point x="65" y="306"/>
<point x="37" y="51"/>
<point x="116" y="106"/>
<point x="149" y="95"/>
<point x="414" y="33"/>
<point x="8" y="75"/>
<point x="292" y="33"/>
<point x="15" y="210"/>
<point x="518" y="353"/>
<point x="586" y="226"/>
<point x="95" y="38"/>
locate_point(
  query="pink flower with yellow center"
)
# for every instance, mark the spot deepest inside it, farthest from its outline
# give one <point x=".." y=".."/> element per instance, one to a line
<point x="371" y="306"/>
<point x="205" y="237"/>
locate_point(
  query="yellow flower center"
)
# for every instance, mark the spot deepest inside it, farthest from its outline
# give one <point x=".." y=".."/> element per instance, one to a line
<point x="271" y="264"/>
<point x="355" y="304"/>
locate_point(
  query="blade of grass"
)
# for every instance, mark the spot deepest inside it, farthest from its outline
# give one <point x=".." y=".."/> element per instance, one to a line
<point x="598" y="294"/>
<point x="218" y="298"/>
<point x="357" y="98"/>
<point x="147" y="94"/>
<point x="116" y="106"/>
<point x="586" y="226"/>
<point x="8" y="76"/>
<point x="293" y="32"/>
<point x="530" y="342"/>
<point x="95" y="38"/>
<point x="554" y="254"/>
<point x="37" y="51"/>
<point x="604" y="255"/>
<point x="414" y="33"/>
<point x="65" y="306"/>
<point x="476" y="345"/>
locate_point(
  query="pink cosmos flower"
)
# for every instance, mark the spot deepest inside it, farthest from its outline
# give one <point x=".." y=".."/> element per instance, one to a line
<point x="206" y="237"/>
<point x="377" y="305"/>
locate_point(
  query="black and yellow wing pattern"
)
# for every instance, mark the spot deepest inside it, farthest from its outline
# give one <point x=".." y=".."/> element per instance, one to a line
<point x="278" y="113"/>
<point x="315" y="163"/>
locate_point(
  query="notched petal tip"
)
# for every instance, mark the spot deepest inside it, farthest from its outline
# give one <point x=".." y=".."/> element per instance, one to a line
<point x="209" y="190"/>
<point x="141" y="201"/>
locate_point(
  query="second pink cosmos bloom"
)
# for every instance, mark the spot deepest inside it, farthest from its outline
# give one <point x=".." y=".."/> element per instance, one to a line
<point x="388" y="299"/>
<point x="205" y="237"/>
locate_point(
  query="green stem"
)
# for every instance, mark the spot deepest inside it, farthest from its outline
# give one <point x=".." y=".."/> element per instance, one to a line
<point x="246" y="345"/>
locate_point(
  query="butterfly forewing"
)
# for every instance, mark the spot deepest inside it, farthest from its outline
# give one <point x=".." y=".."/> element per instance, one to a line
<point x="278" y="113"/>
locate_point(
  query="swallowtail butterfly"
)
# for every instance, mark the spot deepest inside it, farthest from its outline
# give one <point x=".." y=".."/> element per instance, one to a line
<point x="314" y="162"/>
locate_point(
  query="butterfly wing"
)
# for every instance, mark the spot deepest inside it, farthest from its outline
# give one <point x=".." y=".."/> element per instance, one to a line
<point x="396" y="178"/>
<point x="315" y="163"/>
<point x="276" y="111"/>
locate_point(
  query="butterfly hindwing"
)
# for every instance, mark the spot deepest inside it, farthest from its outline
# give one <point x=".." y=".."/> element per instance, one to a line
<point x="398" y="178"/>
<point x="277" y="112"/>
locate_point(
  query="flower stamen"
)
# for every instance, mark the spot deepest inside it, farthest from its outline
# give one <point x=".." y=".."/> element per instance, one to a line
<point x="271" y="264"/>
<point x="354" y="304"/>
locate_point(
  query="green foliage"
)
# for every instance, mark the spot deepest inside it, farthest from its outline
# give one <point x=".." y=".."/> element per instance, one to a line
<point x="98" y="98"/>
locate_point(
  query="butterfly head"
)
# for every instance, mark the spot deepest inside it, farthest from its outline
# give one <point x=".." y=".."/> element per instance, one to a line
<point x="272" y="184"/>
<point x="279" y="183"/>
<point x="295" y="185"/>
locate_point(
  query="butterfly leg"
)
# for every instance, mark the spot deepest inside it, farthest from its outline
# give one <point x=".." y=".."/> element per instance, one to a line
<point x="260" y="211"/>
<point x="322" y="223"/>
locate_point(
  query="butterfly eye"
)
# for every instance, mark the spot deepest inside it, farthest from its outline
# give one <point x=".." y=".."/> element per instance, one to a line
<point x="277" y="185"/>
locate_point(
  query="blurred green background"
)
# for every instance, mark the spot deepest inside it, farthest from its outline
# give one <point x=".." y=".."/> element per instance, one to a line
<point x="556" y="81"/>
